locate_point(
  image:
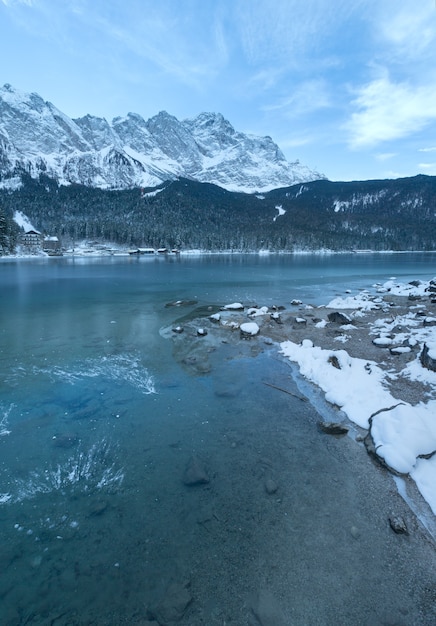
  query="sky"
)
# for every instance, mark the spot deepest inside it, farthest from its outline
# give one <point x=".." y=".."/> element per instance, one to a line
<point x="347" y="87"/>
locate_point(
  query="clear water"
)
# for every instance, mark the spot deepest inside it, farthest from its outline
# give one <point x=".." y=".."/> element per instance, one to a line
<point x="99" y="416"/>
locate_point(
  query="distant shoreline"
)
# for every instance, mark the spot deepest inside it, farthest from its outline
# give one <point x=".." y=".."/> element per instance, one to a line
<point x="187" y="253"/>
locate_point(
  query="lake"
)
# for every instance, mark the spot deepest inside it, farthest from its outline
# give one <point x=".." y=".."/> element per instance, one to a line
<point x="100" y="415"/>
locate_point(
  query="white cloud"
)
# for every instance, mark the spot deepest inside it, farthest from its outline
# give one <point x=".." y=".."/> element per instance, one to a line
<point x="388" y="111"/>
<point x="432" y="149"/>
<point x="385" y="156"/>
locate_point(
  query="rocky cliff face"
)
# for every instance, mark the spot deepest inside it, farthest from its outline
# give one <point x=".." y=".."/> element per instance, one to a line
<point x="35" y="137"/>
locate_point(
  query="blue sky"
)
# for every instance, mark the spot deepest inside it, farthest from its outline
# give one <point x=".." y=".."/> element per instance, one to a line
<point x="348" y="87"/>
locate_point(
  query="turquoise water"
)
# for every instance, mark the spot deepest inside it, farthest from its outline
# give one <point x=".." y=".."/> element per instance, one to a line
<point x="99" y="416"/>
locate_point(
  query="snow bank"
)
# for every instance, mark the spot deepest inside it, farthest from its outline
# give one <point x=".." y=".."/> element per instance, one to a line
<point x="346" y="387"/>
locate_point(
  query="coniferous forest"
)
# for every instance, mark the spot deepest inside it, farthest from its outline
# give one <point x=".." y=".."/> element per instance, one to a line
<point x="377" y="215"/>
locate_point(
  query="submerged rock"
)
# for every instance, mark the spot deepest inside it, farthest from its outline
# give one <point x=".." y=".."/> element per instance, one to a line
<point x="271" y="486"/>
<point x="265" y="611"/>
<point x="173" y="605"/>
<point x="65" y="440"/>
<point x="180" y="303"/>
<point x="195" y="472"/>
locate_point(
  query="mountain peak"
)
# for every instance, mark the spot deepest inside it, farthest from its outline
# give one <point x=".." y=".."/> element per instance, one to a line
<point x="38" y="138"/>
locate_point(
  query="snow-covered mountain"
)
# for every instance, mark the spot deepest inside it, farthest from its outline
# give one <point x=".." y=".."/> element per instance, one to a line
<point x="36" y="137"/>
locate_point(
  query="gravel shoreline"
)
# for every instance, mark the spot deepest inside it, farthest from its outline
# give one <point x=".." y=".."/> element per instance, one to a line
<point x="200" y="332"/>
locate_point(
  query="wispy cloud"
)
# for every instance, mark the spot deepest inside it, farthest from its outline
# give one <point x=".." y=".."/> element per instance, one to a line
<point x="310" y="96"/>
<point x="290" y="32"/>
<point x="386" y="110"/>
<point x="407" y="27"/>
<point x="432" y="149"/>
<point x="28" y="3"/>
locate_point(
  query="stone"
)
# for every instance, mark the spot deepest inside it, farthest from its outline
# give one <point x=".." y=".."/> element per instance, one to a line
<point x="339" y="318"/>
<point x="333" y="428"/>
<point x="428" y="357"/>
<point x="65" y="440"/>
<point x="429" y="321"/>
<point x="173" y="605"/>
<point x="178" y="329"/>
<point x="234" y="306"/>
<point x="382" y="342"/>
<point x="195" y="473"/>
<point x="400" y="350"/>
<point x="276" y="317"/>
<point x="177" y="303"/>
<point x="201" y="332"/>
<point x="333" y="360"/>
<point x="97" y="508"/>
<point x="270" y="486"/>
<point x="355" y="532"/>
<point x="249" y="329"/>
<point x="265" y="611"/>
<point x="300" y="321"/>
<point x="398" y="525"/>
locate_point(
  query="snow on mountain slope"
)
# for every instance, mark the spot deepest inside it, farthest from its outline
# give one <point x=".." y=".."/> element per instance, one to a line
<point x="35" y="137"/>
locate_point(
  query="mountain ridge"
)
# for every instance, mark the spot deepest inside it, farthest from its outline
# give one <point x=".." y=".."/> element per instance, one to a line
<point x="37" y="138"/>
<point x="381" y="215"/>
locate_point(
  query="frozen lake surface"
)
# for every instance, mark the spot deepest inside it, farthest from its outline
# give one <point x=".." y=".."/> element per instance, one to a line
<point x="99" y="420"/>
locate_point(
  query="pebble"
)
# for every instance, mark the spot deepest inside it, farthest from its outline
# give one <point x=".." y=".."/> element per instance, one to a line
<point x="195" y="472"/>
<point x="355" y="532"/>
<point x="270" y="486"/>
<point x="398" y="525"/>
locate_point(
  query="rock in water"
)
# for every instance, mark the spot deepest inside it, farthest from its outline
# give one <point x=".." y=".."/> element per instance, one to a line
<point x="398" y="525"/>
<point x="333" y="428"/>
<point x="173" y="605"/>
<point x="195" y="472"/>
<point x="249" y="329"/>
<point x="270" y="486"/>
<point x="265" y="611"/>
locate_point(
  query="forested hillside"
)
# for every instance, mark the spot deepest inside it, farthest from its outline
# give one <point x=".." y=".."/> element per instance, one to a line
<point x="378" y="215"/>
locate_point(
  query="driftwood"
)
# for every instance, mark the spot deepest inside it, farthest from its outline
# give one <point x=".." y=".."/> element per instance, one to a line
<point x="286" y="391"/>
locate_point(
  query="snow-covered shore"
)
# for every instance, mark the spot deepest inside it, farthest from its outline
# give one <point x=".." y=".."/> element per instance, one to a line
<point x="403" y="431"/>
<point x="364" y="352"/>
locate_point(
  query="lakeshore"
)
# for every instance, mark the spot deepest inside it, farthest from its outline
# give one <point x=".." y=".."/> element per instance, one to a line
<point x="364" y="351"/>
